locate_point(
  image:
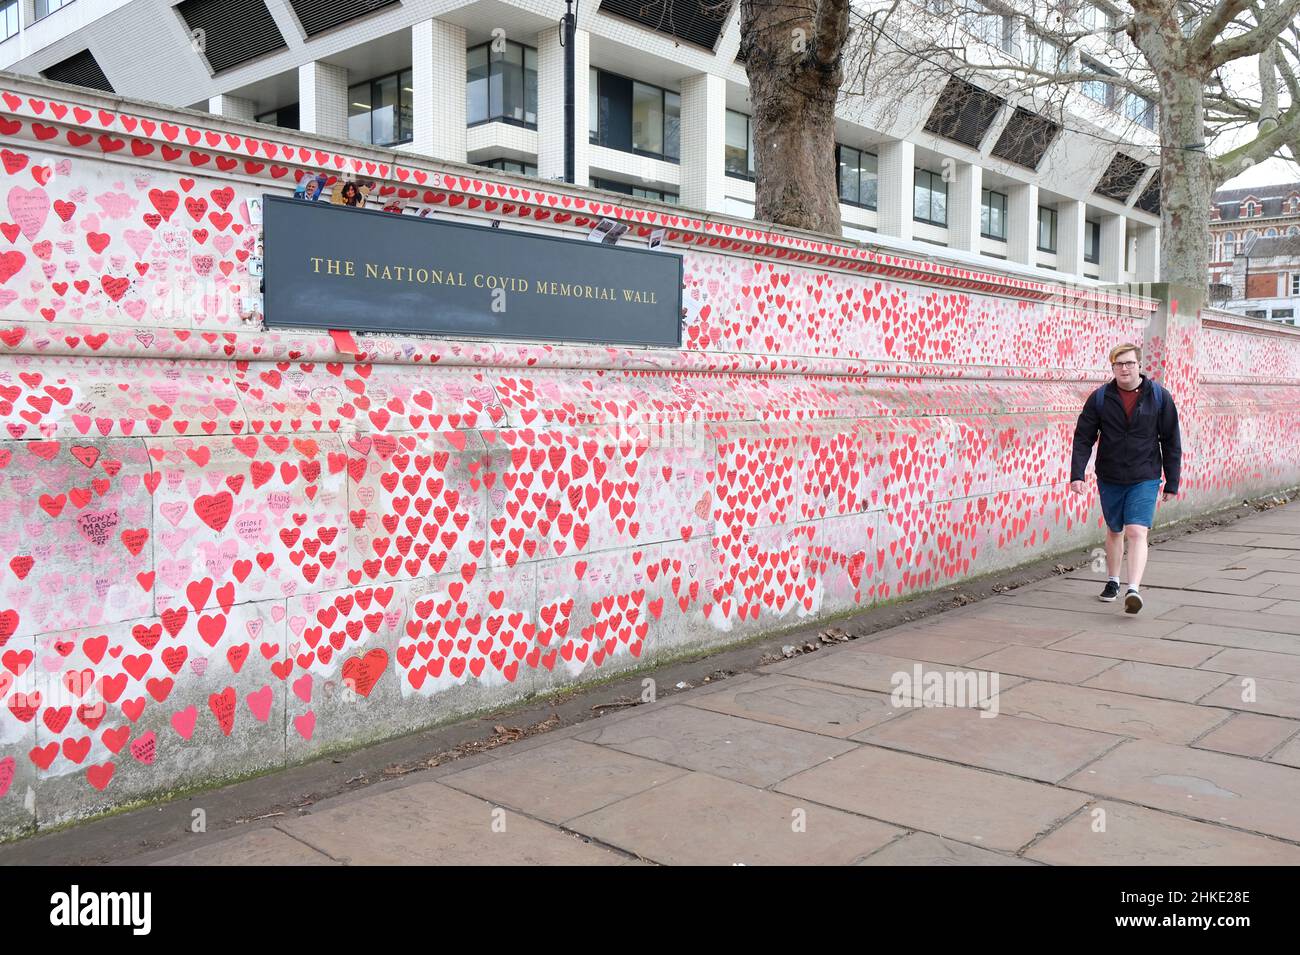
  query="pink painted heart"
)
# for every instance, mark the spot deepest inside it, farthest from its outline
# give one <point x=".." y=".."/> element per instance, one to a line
<point x="174" y="511"/>
<point x="259" y="703"/>
<point x="183" y="721"/>
<point x="139" y="240"/>
<point x="145" y="748"/>
<point x="305" y="724"/>
<point x="29" y="208"/>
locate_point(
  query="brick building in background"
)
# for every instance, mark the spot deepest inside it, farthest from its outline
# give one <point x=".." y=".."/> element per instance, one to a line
<point x="1255" y="251"/>
<point x="1265" y="280"/>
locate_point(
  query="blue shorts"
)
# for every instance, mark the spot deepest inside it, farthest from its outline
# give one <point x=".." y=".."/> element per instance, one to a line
<point x="1123" y="504"/>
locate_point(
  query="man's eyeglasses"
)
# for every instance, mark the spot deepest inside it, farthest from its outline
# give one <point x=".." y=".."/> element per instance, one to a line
<point x="1124" y="364"/>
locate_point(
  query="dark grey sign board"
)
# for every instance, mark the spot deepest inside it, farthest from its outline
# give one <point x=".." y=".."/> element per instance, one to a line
<point x="329" y="266"/>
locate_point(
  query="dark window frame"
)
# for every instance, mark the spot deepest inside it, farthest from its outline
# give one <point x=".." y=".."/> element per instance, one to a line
<point x="1089" y="65"/>
<point x="492" y="164"/>
<point x="508" y="120"/>
<point x="397" y="120"/>
<point x="38" y="17"/>
<point x="596" y="138"/>
<point x="984" y="205"/>
<point x="613" y="185"/>
<point x="1146" y="118"/>
<point x="932" y="176"/>
<point x="839" y="188"/>
<point x="1054" y="236"/>
<point x="18" y="18"/>
<point x="1092" y="227"/>
<point x="749" y="148"/>
<point x="295" y="106"/>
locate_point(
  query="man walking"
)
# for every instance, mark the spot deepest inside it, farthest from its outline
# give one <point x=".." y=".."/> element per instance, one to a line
<point x="1138" y="424"/>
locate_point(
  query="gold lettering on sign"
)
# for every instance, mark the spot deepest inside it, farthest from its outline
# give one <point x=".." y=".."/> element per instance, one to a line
<point x="333" y="266"/>
<point x="389" y="272"/>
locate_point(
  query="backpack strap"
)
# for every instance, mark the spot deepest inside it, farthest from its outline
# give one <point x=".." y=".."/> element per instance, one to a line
<point x="1099" y="400"/>
<point x="1158" y="394"/>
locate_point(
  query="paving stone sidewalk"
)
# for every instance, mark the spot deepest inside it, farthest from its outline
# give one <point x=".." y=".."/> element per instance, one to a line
<point x="1118" y="739"/>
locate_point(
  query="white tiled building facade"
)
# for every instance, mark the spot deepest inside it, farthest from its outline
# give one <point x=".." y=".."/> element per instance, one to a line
<point x="483" y="82"/>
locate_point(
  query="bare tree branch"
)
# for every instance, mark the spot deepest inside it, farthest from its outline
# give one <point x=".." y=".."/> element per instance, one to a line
<point x="1274" y="20"/>
<point x="1238" y="160"/>
<point x="1212" y="27"/>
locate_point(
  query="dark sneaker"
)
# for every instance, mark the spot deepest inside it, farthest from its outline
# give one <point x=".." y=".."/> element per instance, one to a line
<point x="1111" y="591"/>
<point x="1132" y="602"/>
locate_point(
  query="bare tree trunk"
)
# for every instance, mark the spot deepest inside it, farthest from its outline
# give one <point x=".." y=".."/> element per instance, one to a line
<point x="1186" y="173"/>
<point x="1186" y="185"/>
<point x="793" y="56"/>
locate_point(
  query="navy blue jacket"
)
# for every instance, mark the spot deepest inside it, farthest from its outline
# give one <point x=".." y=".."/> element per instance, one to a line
<point x="1130" y="450"/>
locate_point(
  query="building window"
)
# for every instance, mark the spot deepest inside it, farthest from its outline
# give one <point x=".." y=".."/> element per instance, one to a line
<point x="1099" y="91"/>
<point x="1284" y="313"/>
<point x="858" y="176"/>
<point x="45" y="7"/>
<point x="635" y="117"/>
<point x="1257" y="313"/>
<point x="1009" y="45"/>
<point x="988" y="25"/>
<point x="1092" y="16"/>
<point x="379" y="111"/>
<point x="9" y="19"/>
<point x="501" y="85"/>
<point x="1295" y="284"/>
<point x="1249" y="209"/>
<point x="993" y="215"/>
<point x="510" y="165"/>
<point x="1091" y="241"/>
<point x="1046" y="229"/>
<point x="1140" y="109"/>
<point x="1229" y="244"/>
<point x="930" y="198"/>
<point x="627" y="189"/>
<point x="740" y="145"/>
<point x="1293" y="230"/>
<point x="286" y="117"/>
<point x="1045" y="55"/>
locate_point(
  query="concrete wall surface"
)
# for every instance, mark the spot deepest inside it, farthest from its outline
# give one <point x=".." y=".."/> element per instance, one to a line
<point x="224" y="550"/>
